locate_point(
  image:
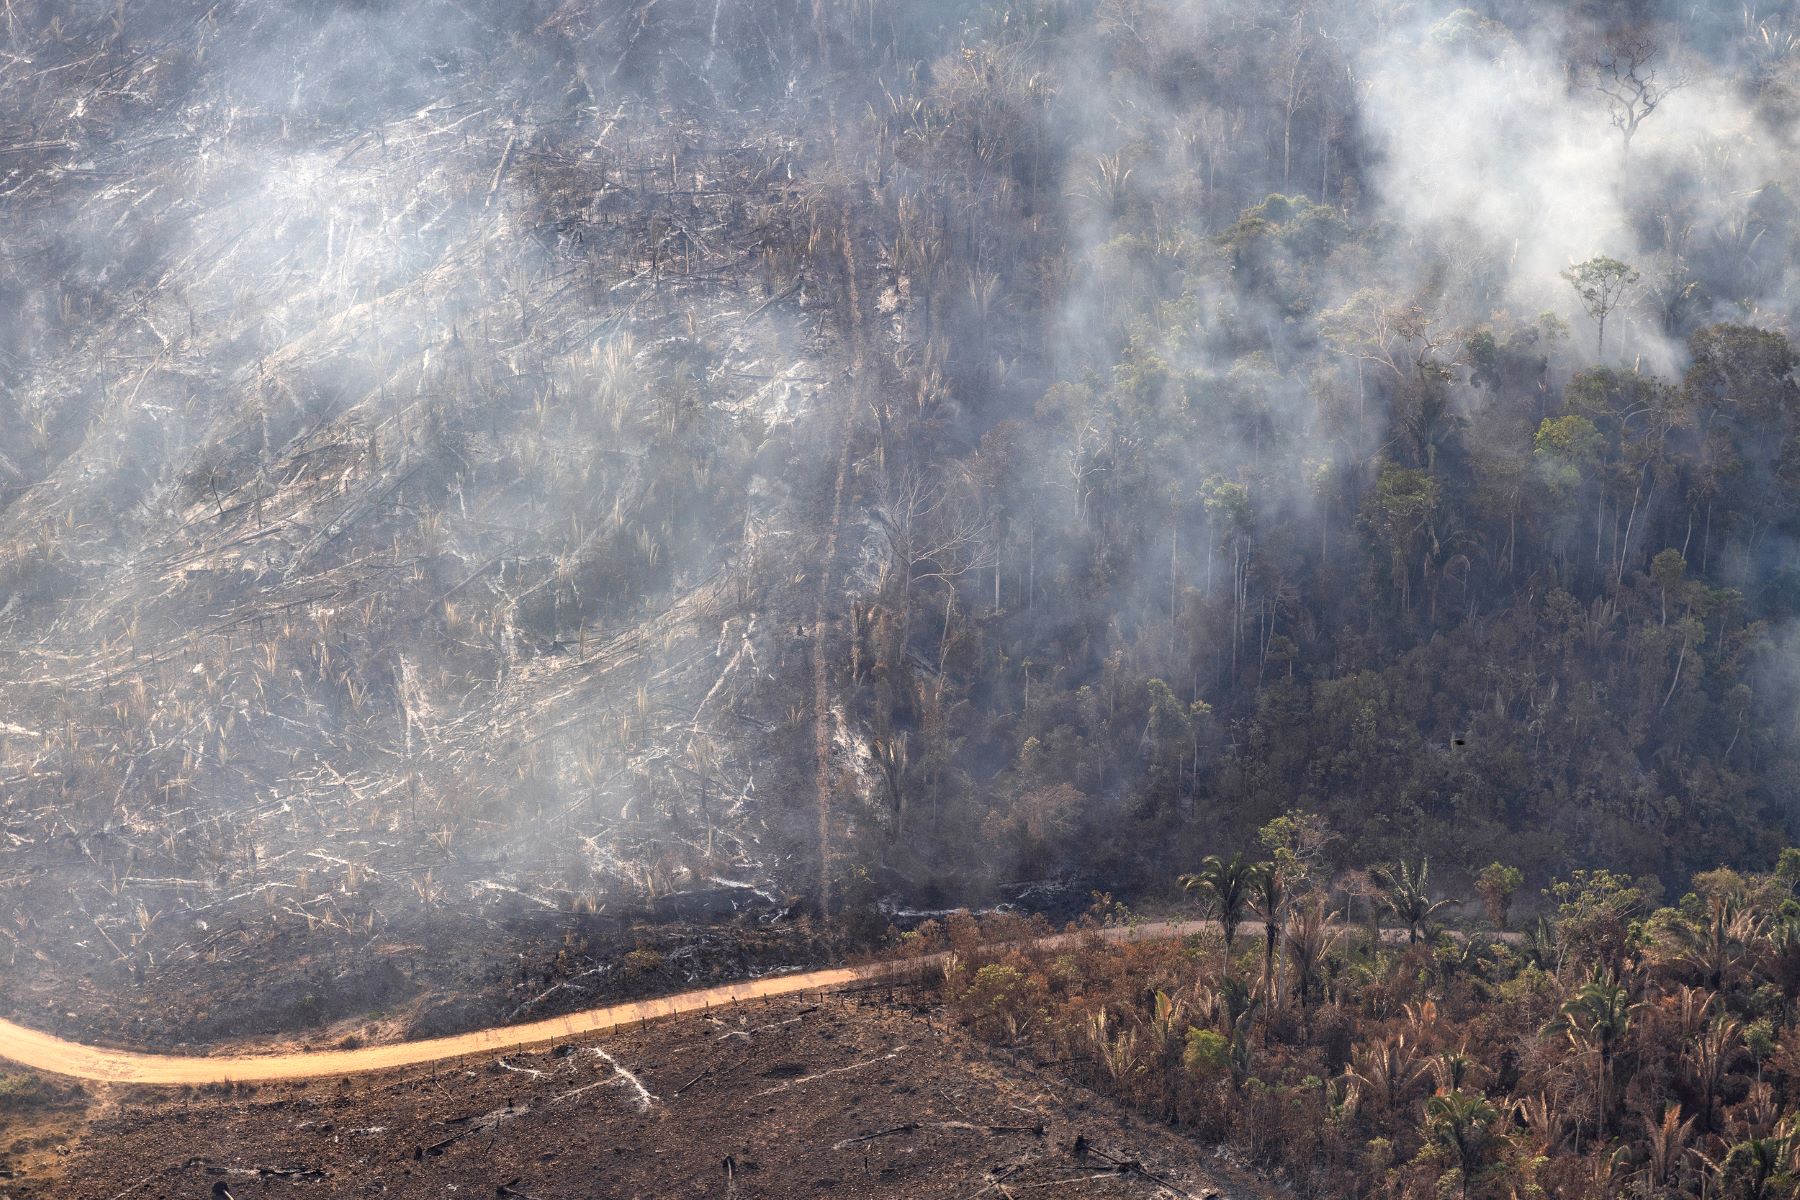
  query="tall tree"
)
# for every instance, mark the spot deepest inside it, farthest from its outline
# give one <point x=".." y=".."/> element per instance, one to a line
<point x="1462" y="1125"/>
<point x="1601" y="284"/>
<point x="1496" y="885"/>
<point x="1625" y="74"/>
<point x="1595" y="1020"/>
<point x="1269" y="900"/>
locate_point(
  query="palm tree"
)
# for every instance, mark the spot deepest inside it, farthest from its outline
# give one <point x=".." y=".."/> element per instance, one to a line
<point x="1234" y="1007"/>
<point x="1268" y="900"/>
<point x="1388" y="1070"/>
<point x="1749" y="1168"/>
<point x="1462" y="1124"/>
<point x="1712" y="950"/>
<point x="1408" y="896"/>
<point x="1538" y="946"/>
<point x="1784" y="955"/>
<point x="1543" y="1120"/>
<point x="1312" y="933"/>
<point x="1224" y="887"/>
<point x="1595" y="1020"/>
<point x="1466" y="956"/>
<point x="1709" y="1055"/>
<point x="1451" y="1069"/>
<point x="1665" y="1149"/>
<point x="1234" y="1002"/>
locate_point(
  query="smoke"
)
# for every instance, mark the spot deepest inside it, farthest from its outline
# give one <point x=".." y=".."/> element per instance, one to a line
<point x="382" y="504"/>
<point x="438" y="436"/>
<point x="1498" y="151"/>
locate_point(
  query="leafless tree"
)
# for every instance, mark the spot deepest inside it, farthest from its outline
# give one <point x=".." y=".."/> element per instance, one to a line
<point x="1296" y="52"/>
<point x="1625" y="74"/>
<point x="931" y="528"/>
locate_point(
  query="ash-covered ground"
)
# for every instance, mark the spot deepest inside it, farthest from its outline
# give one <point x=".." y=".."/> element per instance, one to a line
<point x="789" y="1098"/>
<point x="422" y="453"/>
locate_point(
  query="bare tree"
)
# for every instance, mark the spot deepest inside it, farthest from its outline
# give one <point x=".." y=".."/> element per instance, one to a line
<point x="931" y="528"/>
<point x="1374" y="326"/>
<point x="1626" y="75"/>
<point x="1296" y="49"/>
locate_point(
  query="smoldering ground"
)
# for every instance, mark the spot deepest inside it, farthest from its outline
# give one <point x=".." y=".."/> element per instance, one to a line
<point x="521" y="463"/>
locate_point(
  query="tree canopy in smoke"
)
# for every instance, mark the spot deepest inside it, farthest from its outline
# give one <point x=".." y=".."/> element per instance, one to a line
<point x="483" y="460"/>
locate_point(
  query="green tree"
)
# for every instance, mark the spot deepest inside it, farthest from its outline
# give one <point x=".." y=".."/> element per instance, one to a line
<point x="1406" y="890"/>
<point x="1224" y="887"/>
<point x="1600" y="284"/>
<point x="1709" y="1056"/>
<point x="1566" y="448"/>
<point x="1168" y="739"/>
<point x="1596" y="914"/>
<point x="1496" y="885"/>
<point x="1566" y="454"/>
<point x="1268" y="900"/>
<point x="1401" y="513"/>
<point x="1463" y="1126"/>
<point x="1595" y="1020"/>
<point x="1297" y="840"/>
<point x="1667" y="569"/>
<point x="1712" y="945"/>
<point x="1312" y="934"/>
<point x="1752" y="1170"/>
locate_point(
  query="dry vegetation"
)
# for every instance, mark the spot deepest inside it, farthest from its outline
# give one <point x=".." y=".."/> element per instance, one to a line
<point x="1615" y="1048"/>
<point x="506" y="504"/>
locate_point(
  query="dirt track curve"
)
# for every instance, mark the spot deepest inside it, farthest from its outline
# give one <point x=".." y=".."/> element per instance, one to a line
<point x="45" y="1052"/>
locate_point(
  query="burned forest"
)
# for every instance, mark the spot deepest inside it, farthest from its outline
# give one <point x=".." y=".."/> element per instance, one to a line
<point x="513" y="507"/>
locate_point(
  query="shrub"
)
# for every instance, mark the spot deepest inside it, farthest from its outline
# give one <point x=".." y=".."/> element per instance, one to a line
<point x="1207" y="1055"/>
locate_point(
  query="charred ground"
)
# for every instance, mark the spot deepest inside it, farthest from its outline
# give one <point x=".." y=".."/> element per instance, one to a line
<point x="412" y="514"/>
<point x="789" y="1098"/>
<point x="503" y="504"/>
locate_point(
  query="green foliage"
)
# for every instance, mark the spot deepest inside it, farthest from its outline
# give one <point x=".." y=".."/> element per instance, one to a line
<point x="1406" y="891"/>
<point x="1206" y="1054"/>
<point x="643" y="962"/>
<point x="1273" y="244"/>
<point x="1472" y="1067"/>
<point x="1225" y="886"/>
<point x="995" y="985"/>
<point x="1462" y="1127"/>
<point x="1566" y="450"/>
<point x="1466" y="31"/>
<point x="1754" y="1170"/>
<point x="1600" y="284"/>
<point x="1787" y="867"/>
<point x="1002" y="1001"/>
<point x="1496" y="885"/>
<point x="1568" y="444"/>
<point x="1297" y="841"/>
<point x="25" y="1090"/>
<point x="1597" y="911"/>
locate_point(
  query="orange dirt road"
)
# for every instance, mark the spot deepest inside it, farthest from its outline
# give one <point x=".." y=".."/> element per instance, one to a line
<point x="45" y="1052"/>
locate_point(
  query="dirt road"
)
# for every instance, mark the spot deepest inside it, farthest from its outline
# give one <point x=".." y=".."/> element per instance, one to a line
<point x="45" y="1052"/>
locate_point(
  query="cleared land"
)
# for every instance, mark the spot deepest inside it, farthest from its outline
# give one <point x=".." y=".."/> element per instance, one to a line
<point x="46" y="1052"/>
<point x="793" y="1096"/>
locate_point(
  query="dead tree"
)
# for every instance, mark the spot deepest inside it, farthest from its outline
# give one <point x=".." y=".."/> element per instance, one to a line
<point x="1624" y="73"/>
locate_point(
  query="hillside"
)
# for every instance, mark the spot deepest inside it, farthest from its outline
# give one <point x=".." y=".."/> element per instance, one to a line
<point x="508" y="506"/>
<point x="411" y="508"/>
